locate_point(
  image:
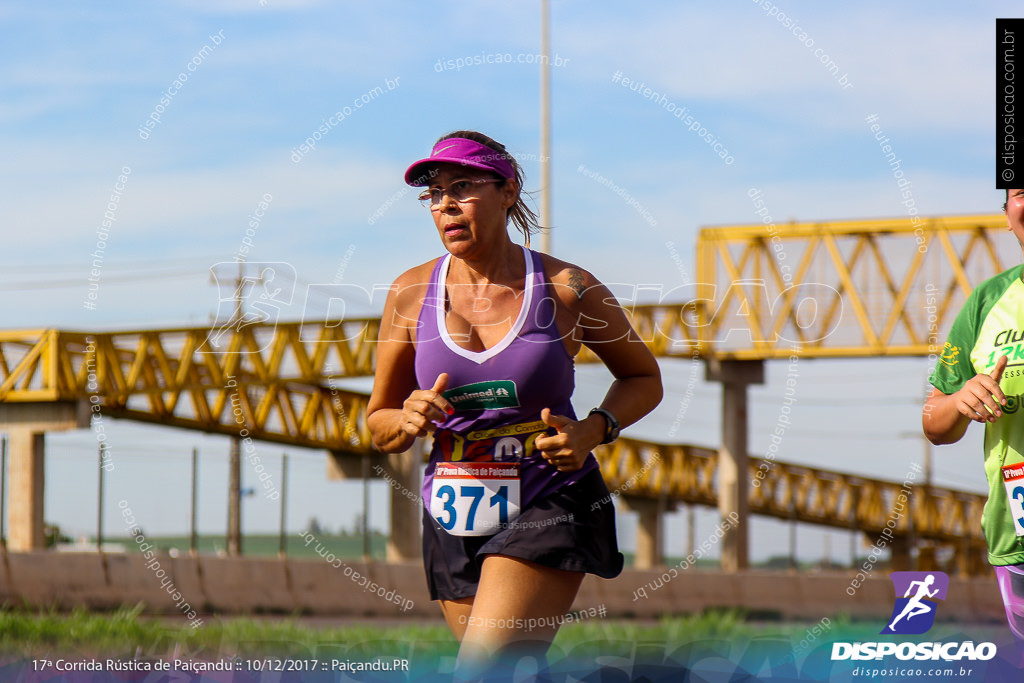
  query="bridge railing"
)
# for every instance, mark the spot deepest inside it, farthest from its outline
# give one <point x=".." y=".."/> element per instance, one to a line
<point x="686" y="474"/>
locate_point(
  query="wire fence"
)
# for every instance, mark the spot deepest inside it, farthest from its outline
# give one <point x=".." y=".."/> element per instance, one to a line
<point x="171" y="480"/>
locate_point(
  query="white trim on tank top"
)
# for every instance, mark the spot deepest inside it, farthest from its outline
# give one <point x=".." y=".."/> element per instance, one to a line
<point x="479" y="357"/>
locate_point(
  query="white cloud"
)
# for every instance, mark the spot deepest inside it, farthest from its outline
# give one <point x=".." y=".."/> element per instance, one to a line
<point x="188" y="198"/>
<point x="925" y="72"/>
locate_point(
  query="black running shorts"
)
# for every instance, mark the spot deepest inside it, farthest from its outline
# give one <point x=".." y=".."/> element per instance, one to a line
<point x="572" y="529"/>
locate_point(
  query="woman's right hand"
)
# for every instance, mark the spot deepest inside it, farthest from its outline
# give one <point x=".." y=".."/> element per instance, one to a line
<point x="426" y="408"/>
<point x="980" y="399"/>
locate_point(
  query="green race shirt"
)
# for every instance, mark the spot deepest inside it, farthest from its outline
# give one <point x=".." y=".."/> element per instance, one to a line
<point x="990" y="325"/>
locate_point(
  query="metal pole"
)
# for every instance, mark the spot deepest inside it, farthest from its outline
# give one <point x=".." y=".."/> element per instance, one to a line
<point x="792" y="544"/>
<point x="927" y="461"/>
<point x="691" y="529"/>
<point x="235" y="500"/>
<point x="660" y="536"/>
<point x="99" y="502"/>
<point x="911" y="536"/>
<point x="853" y="549"/>
<point x="239" y="284"/>
<point x="193" y="543"/>
<point x="282" y="549"/>
<point x="3" y="489"/>
<point x="545" y="125"/>
<point x="366" y="509"/>
<point x="854" y="533"/>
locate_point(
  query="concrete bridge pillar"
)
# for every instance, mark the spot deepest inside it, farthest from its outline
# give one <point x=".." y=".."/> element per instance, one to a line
<point x="401" y="472"/>
<point x="648" y="532"/>
<point x="25" y="506"/>
<point x="405" y="470"/>
<point x="26" y="425"/>
<point x="733" y="468"/>
<point x="901" y="554"/>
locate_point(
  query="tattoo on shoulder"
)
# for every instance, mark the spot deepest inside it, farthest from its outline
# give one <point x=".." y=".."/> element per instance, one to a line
<point x="576" y="282"/>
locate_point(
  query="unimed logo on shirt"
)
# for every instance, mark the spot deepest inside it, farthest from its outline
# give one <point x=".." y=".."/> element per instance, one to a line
<point x="491" y="395"/>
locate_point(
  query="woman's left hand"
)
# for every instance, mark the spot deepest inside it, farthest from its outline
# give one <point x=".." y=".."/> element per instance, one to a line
<point x="569" y="448"/>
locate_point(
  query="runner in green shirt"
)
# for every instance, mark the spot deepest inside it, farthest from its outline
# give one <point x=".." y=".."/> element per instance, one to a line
<point x="980" y="378"/>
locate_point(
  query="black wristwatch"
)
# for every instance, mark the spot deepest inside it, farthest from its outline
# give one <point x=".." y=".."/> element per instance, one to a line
<point x="612" y="431"/>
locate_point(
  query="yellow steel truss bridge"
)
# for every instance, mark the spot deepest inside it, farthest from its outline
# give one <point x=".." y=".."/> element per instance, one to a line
<point x="822" y="290"/>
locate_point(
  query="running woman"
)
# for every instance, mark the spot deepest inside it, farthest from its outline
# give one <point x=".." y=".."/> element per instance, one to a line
<point x="980" y="378"/>
<point x="476" y="348"/>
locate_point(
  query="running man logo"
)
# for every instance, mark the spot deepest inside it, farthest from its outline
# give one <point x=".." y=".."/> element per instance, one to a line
<point x="248" y="300"/>
<point x="914" y="613"/>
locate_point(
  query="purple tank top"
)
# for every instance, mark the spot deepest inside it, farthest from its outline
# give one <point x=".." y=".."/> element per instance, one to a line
<point x="498" y="393"/>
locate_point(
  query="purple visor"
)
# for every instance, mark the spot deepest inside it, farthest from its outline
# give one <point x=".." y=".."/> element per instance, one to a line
<point x="464" y="153"/>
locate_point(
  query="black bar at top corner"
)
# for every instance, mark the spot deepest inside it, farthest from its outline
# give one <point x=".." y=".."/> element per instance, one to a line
<point x="1009" y="113"/>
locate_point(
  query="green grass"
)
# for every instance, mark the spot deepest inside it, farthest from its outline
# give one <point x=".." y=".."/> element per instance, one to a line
<point x="126" y="633"/>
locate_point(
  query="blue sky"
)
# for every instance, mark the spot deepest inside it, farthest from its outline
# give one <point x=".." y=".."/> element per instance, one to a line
<point x="79" y="80"/>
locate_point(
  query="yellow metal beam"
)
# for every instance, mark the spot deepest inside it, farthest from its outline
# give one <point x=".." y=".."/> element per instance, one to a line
<point x="845" y="289"/>
<point x="685" y="474"/>
<point x="898" y="266"/>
